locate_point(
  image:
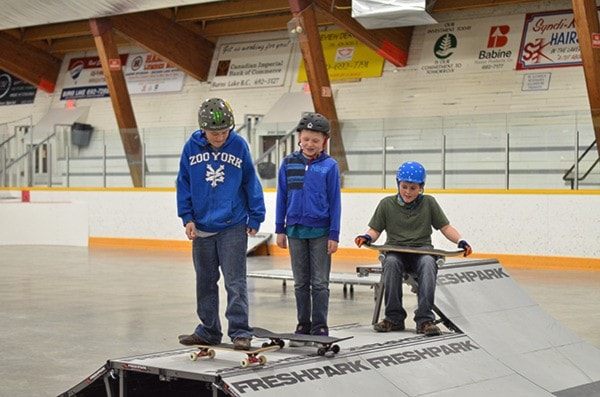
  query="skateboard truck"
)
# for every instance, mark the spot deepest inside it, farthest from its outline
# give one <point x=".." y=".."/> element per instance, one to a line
<point x="253" y="356"/>
<point x="325" y="343"/>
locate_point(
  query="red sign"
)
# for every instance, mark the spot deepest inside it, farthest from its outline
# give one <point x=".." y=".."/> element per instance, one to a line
<point x="114" y="64"/>
<point x="595" y="40"/>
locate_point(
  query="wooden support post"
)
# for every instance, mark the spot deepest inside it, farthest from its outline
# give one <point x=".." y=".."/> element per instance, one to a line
<point x="119" y="96"/>
<point x="586" y="23"/>
<point x="307" y="31"/>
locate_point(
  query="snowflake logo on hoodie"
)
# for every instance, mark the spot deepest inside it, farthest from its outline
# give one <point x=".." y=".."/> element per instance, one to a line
<point x="213" y="176"/>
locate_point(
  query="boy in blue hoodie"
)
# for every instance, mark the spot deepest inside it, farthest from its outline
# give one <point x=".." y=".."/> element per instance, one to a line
<point x="308" y="213"/>
<point x="220" y="201"/>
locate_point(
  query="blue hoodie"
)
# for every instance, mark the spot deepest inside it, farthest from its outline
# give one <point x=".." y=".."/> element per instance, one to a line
<point x="218" y="189"/>
<point x="308" y="194"/>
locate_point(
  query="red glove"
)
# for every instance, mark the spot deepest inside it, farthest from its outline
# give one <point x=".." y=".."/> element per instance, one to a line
<point x="364" y="239"/>
<point x="464" y="245"/>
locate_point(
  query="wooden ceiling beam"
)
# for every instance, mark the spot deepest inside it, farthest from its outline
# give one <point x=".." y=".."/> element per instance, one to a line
<point x="393" y="44"/>
<point x="171" y="42"/>
<point x="230" y="9"/>
<point x="29" y="63"/>
<point x="213" y="29"/>
<point x="79" y="44"/>
<point x="454" y="5"/>
<point x="57" y="31"/>
<point x="318" y="77"/>
<point x="119" y="95"/>
<point x="586" y="23"/>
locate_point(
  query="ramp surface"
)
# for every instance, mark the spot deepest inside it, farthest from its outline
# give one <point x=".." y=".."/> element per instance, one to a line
<point x="485" y="303"/>
<point x="256" y="241"/>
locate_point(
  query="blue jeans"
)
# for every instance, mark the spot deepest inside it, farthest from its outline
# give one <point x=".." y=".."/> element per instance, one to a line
<point x="311" y="265"/>
<point x="395" y="265"/>
<point x="226" y="250"/>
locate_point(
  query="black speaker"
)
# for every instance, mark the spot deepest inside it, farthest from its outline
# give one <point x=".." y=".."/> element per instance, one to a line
<point x="81" y="134"/>
<point x="266" y="170"/>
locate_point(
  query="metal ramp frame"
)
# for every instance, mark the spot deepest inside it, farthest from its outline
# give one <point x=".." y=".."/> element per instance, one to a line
<point x="347" y="280"/>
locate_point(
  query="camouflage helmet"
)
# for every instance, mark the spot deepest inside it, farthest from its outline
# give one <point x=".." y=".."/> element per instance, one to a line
<point x="215" y="114"/>
<point x="314" y="122"/>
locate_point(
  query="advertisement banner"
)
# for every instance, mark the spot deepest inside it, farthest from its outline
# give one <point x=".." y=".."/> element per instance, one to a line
<point x="251" y="64"/>
<point x="469" y="46"/>
<point x="346" y="57"/>
<point x="14" y="91"/>
<point x="549" y="41"/>
<point x="144" y="73"/>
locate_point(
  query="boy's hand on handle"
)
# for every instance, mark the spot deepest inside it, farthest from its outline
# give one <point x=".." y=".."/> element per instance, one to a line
<point x="464" y="245"/>
<point x="363" y="239"/>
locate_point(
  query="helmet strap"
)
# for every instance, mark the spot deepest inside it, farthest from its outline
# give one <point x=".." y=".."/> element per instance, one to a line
<point x="412" y="205"/>
<point x="316" y="156"/>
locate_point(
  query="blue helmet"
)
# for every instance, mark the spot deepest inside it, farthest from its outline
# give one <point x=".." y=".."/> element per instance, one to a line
<point x="411" y="171"/>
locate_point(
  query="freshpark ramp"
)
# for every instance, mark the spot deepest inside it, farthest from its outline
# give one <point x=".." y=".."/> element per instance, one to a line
<point x="507" y="346"/>
<point x="486" y="304"/>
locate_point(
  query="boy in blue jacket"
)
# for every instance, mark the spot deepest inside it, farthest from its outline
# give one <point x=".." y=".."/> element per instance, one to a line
<point x="220" y="201"/>
<point x="308" y="213"/>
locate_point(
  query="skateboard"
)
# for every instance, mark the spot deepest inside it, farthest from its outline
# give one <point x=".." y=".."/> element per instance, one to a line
<point x="253" y="355"/>
<point x="325" y="343"/>
<point x="415" y="250"/>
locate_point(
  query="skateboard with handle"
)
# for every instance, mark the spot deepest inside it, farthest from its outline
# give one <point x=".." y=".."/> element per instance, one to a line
<point x="253" y="355"/>
<point x="415" y="250"/>
<point x="324" y="343"/>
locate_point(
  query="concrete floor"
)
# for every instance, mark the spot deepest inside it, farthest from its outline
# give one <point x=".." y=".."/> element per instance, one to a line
<point x="65" y="311"/>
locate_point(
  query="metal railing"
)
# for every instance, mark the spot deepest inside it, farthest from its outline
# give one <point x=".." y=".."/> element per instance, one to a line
<point x="574" y="174"/>
<point x="516" y="151"/>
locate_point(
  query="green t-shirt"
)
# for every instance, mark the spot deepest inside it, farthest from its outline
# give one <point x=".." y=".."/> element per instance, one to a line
<point x="408" y="226"/>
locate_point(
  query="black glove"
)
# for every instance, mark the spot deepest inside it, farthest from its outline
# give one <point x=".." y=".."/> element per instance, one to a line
<point x="364" y="239"/>
<point x="464" y="245"/>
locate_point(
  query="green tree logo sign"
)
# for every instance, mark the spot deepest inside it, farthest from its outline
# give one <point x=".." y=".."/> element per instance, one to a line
<point x="444" y="46"/>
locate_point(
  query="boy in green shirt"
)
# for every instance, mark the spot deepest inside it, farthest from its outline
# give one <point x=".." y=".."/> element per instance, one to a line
<point x="408" y="219"/>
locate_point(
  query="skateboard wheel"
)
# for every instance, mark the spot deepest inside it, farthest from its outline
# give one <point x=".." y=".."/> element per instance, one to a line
<point x="335" y="349"/>
<point x="211" y="353"/>
<point x="245" y="363"/>
<point x="281" y="344"/>
<point x="266" y="344"/>
<point x="262" y="360"/>
<point x="193" y="356"/>
<point x="321" y="351"/>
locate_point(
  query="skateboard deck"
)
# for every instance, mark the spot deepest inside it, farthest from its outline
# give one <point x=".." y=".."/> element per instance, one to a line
<point x="415" y="250"/>
<point x="324" y="343"/>
<point x="253" y="355"/>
